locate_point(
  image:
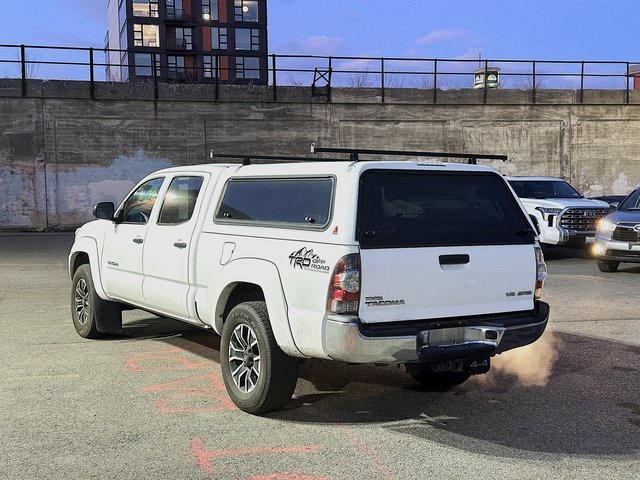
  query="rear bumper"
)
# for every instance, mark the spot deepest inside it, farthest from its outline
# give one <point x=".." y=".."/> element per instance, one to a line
<point x="346" y="339"/>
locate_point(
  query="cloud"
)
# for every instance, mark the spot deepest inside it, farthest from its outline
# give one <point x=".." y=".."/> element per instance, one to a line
<point x="442" y="35"/>
<point x="470" y="54"/>
<point x="316" y="45"/>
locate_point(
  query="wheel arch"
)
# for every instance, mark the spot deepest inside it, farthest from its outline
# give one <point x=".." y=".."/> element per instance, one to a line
<point x="85" y="251"/>
<point x="255" y="279"/>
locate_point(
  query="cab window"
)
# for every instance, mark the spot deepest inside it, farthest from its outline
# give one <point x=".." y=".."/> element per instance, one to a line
<point x="180" y="200"/>
<point x="137" y="208"/>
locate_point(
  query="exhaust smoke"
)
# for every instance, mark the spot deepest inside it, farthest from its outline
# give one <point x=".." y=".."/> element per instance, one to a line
<point x="531" y="365"/>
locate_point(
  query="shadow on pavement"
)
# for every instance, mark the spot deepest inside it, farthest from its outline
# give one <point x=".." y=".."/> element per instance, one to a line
<point x="564" y="253"/>
<point x="590" y="406"/>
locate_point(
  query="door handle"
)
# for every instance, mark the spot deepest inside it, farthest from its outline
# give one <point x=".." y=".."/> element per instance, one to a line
<point x="138" y="240"/>
<point x="454" y="259"/>
<point x="180" y="245"/>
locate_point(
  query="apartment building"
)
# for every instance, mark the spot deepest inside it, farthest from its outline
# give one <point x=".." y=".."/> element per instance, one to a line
<point x="188" y="40"/>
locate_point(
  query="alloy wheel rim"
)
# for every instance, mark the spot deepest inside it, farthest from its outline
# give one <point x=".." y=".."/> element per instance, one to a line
<point x="82" y="302"/>
<point x="244" y="358"/>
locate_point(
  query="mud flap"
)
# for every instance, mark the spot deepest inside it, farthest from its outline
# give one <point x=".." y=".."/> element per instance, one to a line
<point x="108" y="316"/>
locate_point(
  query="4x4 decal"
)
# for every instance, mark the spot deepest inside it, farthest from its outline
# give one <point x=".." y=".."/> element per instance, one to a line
<point x="306" y="259"/>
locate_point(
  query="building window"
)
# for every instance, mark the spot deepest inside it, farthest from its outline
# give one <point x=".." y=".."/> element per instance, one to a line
<point x="146" y="35"/>
<point x="175" y="10"/>
<point x="247" y="39"/>
<point x="124" y="68"/>
<point x="175" y="66"/>
<point x="247" y="67"/>
<point x="246" y="10"/>
<point x="209" y="10"/>
<point x="145" y="8"/>
<point x="210" y="66"/>
<point x="122" y="14"/>
<point x="183" y="39"/>
<point x="144" y="64"/>
<point x="219" y="38"/>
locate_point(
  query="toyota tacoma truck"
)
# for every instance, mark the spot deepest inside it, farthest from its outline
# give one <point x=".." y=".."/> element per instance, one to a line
<point x="564" y="216"/>
<point x="434" y="266"/>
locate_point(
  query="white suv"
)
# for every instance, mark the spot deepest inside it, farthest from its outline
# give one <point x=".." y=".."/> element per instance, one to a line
<point x="563" y="215"/>
<point x="435" y="266"/>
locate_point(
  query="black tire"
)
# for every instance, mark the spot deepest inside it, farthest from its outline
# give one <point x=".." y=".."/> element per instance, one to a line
<point x="608" y="267"/>
<point x="100" y="316"/>
<point x="439" y="382"/>
<point x="278" y="373"/>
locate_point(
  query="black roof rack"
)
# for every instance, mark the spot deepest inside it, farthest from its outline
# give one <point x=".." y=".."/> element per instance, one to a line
<point x="247" y="159"/>
<point x="354" y="154"/>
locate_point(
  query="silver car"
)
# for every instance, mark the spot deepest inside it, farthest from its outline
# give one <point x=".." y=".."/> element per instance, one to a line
<point x="618" y="236"/>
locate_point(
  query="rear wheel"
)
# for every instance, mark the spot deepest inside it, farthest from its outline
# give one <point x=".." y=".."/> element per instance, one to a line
<point x="608" y="267"/>
<point x="439" y="381"/>
<point x="92" y="316"/>
<point x="259" y="376"/>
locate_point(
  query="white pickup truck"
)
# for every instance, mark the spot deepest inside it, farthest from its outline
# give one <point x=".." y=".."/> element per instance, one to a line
<point x="435" y="266"/>
<point x="563" y="215"/>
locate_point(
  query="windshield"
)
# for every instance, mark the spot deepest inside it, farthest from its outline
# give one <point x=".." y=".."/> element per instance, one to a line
<point x="421" y="209"/>
<point x="632" y="202"/>
<point x="544" y="189"/>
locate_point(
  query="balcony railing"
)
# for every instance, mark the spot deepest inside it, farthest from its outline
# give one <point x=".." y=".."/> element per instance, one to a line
<point x="424" y="80"/>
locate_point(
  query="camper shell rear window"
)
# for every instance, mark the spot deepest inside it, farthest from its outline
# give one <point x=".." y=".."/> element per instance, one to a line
<point x="400" y="208"/>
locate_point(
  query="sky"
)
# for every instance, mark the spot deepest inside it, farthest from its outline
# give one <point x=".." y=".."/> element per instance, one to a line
<point x="457" y="29"/>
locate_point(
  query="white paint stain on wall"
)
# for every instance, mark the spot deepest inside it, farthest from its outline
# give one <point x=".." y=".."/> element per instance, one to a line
<point x="74" y="190"/>
<point x="16" y="198"/>
<point x="620" y="185"/>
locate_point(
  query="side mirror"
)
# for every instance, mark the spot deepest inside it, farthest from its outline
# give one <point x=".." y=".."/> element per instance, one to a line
<point x="104" y="211"/>
<point x="615" y="204"/>
<point x="536" y="225"/>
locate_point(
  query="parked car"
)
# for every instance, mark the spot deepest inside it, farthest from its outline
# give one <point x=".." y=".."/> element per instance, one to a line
<point x="618" y="239"/>
<point x="435" y="266"/>
<point x="564" y="216"/>
<point x="613" y="200"/>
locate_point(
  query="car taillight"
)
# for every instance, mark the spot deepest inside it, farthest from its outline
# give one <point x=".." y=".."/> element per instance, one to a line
<point x="344" y="290"/>
<point x="541" y="272"/>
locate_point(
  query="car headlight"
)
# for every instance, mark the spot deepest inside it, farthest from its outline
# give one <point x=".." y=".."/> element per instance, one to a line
<point x="606" y="228"/>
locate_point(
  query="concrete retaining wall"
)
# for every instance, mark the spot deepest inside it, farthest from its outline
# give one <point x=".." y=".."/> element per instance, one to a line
<point x="61" y="152"/>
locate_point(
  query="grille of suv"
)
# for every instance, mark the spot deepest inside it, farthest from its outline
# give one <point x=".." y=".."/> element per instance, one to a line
<point x="582" y="219"/>
<point x="625" y="234"/>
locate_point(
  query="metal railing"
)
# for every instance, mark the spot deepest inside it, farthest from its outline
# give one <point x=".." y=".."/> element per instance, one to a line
<point x="431" y="77"/>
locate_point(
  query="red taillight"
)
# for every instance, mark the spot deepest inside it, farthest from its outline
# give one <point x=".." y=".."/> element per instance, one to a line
<point x="541" y="272"/>
<point x="344" y="290"/>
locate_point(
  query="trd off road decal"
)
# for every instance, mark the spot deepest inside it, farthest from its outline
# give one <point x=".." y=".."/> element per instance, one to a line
<point x="305" y="259"/>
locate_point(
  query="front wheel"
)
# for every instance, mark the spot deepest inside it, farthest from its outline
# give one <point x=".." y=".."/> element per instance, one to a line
<point x="259" y="376"/>
<point x="608" y="267"/>
<point x="92" y="316"/>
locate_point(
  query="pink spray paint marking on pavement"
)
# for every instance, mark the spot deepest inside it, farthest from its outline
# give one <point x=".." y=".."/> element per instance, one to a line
<point x="205" y="458"/>
<point x="162" y="360"/>
<point x="197" y="394"/>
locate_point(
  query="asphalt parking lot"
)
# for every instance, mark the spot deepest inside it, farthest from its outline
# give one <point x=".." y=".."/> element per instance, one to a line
<point x="150" y="403"/>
